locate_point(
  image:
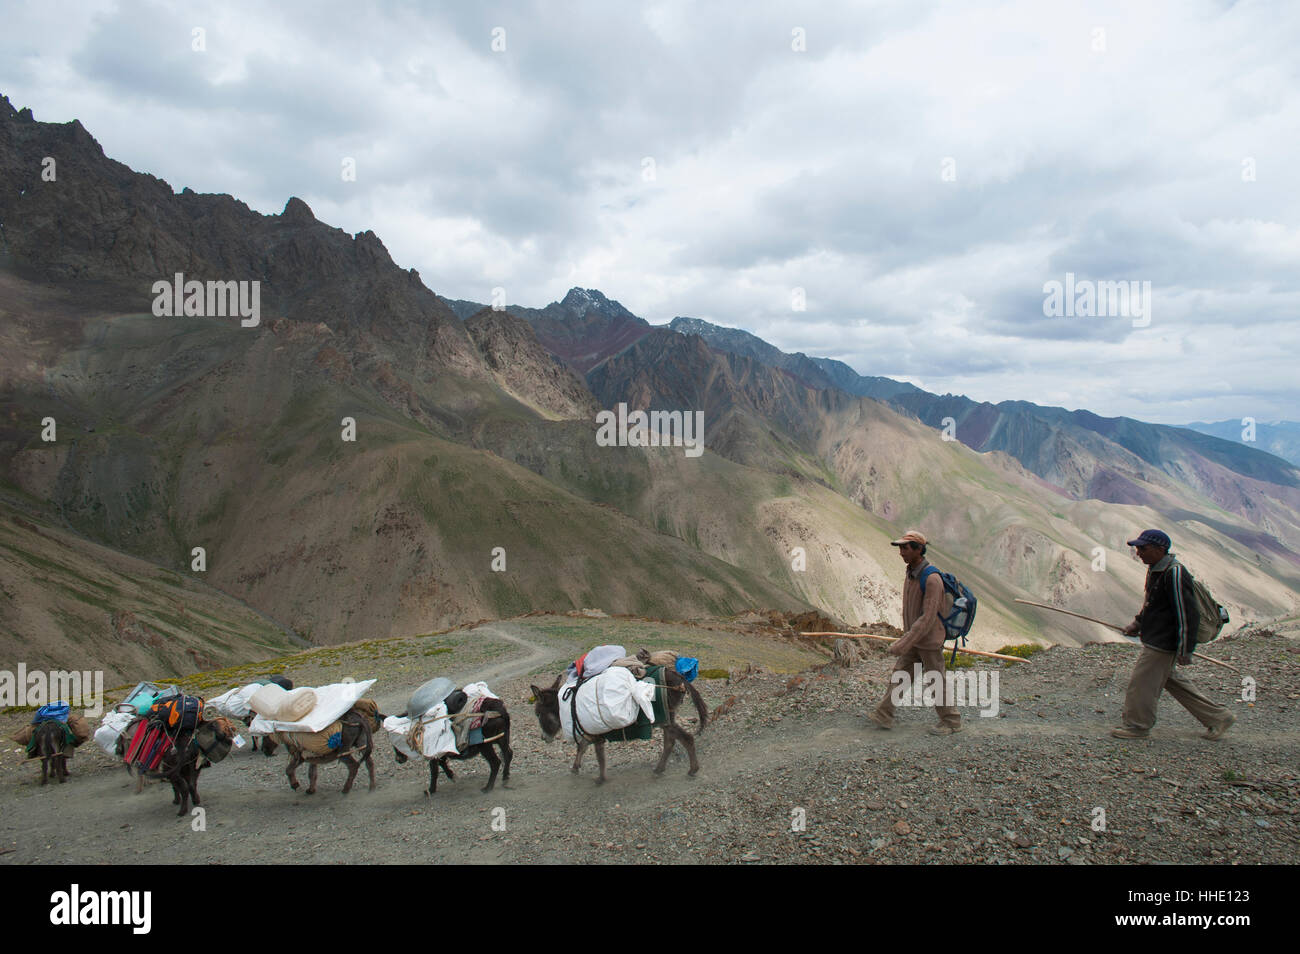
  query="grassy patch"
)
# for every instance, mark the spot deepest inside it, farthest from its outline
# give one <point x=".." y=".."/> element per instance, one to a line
<point x="1023" y="650"/>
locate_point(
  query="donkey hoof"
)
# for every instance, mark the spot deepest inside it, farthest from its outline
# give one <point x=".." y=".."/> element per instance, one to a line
<point x="692" y="772"/>
<point x="658" y="771"/>
<point x="600" y="781"/>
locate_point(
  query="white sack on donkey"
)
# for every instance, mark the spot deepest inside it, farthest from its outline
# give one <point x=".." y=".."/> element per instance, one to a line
<point x="609" y="702"/>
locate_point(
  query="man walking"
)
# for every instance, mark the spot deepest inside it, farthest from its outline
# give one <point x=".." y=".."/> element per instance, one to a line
<point x="1167" y="626"/>
<point x="923" y="634"/>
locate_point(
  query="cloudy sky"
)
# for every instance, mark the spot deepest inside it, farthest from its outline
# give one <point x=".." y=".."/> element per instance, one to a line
<point x="918" y="169"/>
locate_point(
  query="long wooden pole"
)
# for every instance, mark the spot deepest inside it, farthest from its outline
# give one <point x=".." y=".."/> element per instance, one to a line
<point x="1119" y="629"/>
<point x="894" y="639"/>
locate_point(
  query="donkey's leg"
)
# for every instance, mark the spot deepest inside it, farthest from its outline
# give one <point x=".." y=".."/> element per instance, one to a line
<point x="433" y="777"/>
<point x="490" y="754"/>
<point x="600" y="757"/>
<point x="45" y="769"/>
<point x="447" y="768"/>
<point x="507" y="754"/>
<point x="669" y="741"/>
<point x="688" y="740"/>
<point x="353" y="767"/>
<point x="370" y="767"/>
<point x="577" y="761"/>
<point x="293" y="767"/>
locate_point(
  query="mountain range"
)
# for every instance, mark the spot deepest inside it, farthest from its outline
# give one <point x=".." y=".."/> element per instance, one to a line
<point x="1280" y="438"/>
<point x="372" y="459"/>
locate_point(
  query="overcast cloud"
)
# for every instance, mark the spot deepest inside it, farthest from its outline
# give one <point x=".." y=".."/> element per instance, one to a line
<point x="1117" y="141"/>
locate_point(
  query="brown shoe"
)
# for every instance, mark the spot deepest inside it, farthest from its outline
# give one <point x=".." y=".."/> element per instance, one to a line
<point x="1219" y="730"/>
<point x="880" y="720"/>
<point x="944" y="729"/>
<point x="1126" y="733"/>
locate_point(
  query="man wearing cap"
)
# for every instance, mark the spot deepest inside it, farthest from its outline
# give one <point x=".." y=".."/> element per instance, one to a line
<point x="923" y="634"/>
<point x="1167" y="625"/>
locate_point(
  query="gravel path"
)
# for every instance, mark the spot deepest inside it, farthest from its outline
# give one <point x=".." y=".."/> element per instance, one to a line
<point x="791" y="772"/>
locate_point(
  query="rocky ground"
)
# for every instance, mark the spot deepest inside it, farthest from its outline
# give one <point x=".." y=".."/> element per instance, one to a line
<point x="791" y="772"/>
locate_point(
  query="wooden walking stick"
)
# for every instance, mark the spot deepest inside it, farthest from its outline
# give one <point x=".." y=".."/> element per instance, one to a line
<point x="894" y="639"/>
<point x="1120" y="630"/>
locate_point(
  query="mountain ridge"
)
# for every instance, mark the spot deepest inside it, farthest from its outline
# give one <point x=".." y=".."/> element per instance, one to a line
<point x="472" y="485"/>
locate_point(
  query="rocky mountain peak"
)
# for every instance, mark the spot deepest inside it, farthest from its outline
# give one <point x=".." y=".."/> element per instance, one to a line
<point x="297" y="212"/>
<point x="583" y="298"/>
<point x="582" y="302"/>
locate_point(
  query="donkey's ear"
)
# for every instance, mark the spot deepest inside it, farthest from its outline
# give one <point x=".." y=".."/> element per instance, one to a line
<point x="558" y="681"/>
<point x="536" y="692"/>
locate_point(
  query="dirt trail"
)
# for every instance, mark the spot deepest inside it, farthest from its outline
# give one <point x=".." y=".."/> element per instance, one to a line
<point x="521" y="666"/>
<point x="1024" y="786"/>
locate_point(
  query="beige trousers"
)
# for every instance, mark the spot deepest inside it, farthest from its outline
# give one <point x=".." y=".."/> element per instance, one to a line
<point x="1154" y="672"/>
<point x="930" y="660"/>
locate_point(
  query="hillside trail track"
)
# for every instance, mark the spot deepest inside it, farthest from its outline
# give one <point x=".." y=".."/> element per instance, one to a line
<point x="537" y="653"/>
<point x="1047" y="759"/>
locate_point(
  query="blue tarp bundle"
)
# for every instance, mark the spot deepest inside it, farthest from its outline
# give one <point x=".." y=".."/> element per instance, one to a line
<point x="54" y="712"/>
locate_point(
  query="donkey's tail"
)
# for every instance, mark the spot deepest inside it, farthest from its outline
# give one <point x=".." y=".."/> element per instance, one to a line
<point x="700" y="707"/>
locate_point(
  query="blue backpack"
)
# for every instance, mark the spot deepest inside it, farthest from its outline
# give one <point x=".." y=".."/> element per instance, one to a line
<point x="959" y="613"/>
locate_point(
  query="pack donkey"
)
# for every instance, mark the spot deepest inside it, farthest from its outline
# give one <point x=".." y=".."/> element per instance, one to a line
<point x="180" y="765"/>
<point x="547" y="709"/>
<point x="356" y="745"/>
<point x="496" y="731"/>
<point x="48" y="746"/>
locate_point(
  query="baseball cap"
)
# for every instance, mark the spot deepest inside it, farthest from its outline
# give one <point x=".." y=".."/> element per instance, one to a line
<point x="1157" y="538"/>
<point x="912" y="536"/>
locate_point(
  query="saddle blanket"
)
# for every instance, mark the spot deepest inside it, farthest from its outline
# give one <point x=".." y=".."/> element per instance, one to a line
<point x="312" y="745"/>
<point x="470" y="731"/>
